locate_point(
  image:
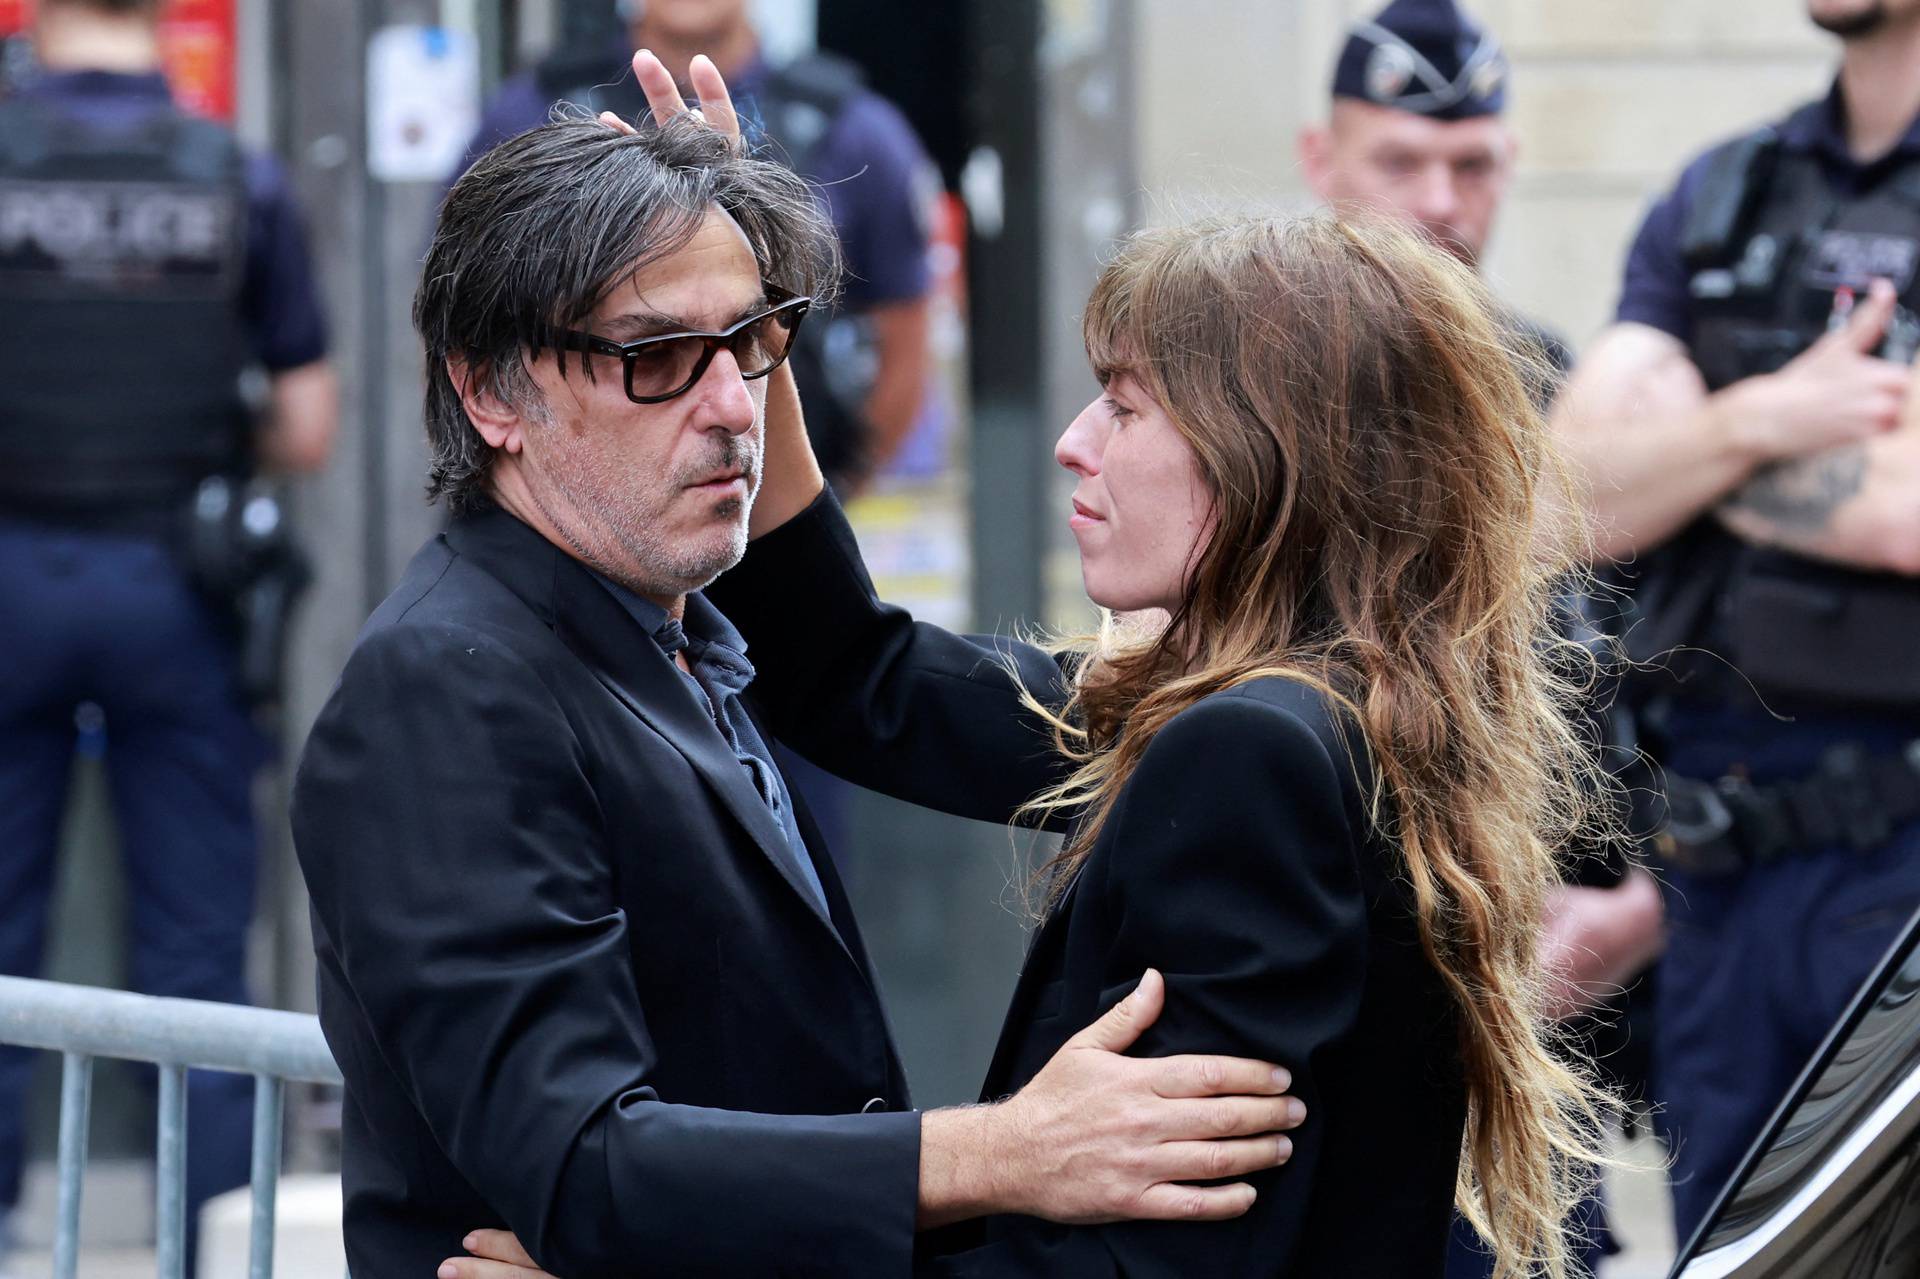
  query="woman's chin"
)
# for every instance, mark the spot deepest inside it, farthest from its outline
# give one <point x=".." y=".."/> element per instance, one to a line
<point x="1120" y="599"/>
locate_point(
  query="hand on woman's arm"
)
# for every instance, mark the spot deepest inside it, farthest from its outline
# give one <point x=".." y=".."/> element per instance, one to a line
<point x="1096" y="1136"/>
<point x="1232" y="860"/>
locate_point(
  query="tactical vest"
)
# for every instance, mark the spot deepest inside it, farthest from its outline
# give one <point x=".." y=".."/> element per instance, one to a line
<point x="1769" y="241"/>
<point x="794" y="107"/>
<point x="121" y="350"/>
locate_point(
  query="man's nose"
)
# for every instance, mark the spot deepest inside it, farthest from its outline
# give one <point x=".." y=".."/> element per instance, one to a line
<point x="1436" y="198"/>
<point x="725" y="399"/>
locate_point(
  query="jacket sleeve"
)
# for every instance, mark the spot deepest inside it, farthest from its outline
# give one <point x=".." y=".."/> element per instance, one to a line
<point x="866" y="692"/>
<point x="1233" y="870"/>
<point x="447" y="825"/>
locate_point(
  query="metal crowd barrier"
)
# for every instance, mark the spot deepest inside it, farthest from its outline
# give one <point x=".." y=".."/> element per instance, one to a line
<point x="82" y="1023"/>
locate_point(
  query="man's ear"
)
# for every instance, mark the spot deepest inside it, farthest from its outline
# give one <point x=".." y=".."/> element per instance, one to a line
<point x="498" y="422"/>
<point x="1316" y="158"/>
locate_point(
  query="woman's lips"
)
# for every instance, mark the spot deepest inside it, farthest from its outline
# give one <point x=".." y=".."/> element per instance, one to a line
<point x="1083" y="517"/>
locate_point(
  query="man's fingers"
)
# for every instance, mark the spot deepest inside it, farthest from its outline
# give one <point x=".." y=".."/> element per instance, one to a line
<point x="615" y="123"/>
<point x="1118" y="1027"/>
<point x="476" y="1268"/>
<point x="1868" y="323"/>
<point x="1211" y="1160"/>
<point x="663" y="95"/>
<point x="499" y="1245"/>
<point x="1195" y="1203"/>
<point x="1211" y="1118"/>
<point x="715" y="102"/>
<point x="1196" y="1076"/>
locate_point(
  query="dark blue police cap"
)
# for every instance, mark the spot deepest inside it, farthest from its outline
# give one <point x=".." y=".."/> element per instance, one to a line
<point x="1424" y="56"/>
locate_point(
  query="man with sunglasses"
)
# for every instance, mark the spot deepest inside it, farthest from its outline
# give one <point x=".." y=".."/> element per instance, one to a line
<point x="583" y="960"/>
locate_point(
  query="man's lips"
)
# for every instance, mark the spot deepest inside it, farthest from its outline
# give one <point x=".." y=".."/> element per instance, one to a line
<point x="722" y="480"/>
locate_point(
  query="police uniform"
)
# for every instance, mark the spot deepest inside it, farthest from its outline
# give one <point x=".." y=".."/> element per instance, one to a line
<point x="1793" y="854"/>
<point x="145" y="261"/>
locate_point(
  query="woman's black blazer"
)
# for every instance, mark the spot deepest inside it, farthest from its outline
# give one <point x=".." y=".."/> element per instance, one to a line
<point x="1240" y="860"/>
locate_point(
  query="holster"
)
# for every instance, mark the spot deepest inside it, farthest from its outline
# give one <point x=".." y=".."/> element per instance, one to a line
<point x="240" y="554"/>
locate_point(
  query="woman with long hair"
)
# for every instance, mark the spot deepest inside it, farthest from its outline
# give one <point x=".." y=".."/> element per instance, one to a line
<point x="1318" y="780"/>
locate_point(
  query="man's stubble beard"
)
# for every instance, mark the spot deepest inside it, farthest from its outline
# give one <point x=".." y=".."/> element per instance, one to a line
<point x="644" y="557"/>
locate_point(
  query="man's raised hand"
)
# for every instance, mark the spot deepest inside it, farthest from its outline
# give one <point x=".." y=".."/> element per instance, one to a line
<point x="664" y="100"/>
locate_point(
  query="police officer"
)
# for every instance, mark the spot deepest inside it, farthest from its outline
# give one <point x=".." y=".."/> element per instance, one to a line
<point x="1415" y="130"/>
<point x="145" y="264"/>
<point x="862" y="375"/>
<point x="1742" y="428"/>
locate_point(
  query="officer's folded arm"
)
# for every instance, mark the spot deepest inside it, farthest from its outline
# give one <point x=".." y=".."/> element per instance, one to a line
<point x="1856" y="505"/>
<point x="1818" y="458"/>
<point x="1649" y="447"/>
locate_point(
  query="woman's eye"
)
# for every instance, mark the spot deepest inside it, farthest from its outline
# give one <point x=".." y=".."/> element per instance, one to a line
<point x="1118" y="410"/>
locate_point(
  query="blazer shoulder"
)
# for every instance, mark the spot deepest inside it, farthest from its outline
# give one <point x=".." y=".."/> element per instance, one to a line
<point x="1280" y="715"/>
<point x="447" y="608"/>
<point x="1257" y="777"/>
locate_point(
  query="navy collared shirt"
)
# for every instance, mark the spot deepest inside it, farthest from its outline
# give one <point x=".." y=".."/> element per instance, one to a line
<point x="1655" y="288"/>
<point x="718" y="673"/>
<point x="279" y="300"/>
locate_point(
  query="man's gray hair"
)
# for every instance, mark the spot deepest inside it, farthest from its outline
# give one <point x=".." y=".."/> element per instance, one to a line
<point x="547" y="224"/>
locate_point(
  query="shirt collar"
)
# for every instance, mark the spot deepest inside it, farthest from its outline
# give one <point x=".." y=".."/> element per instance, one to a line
<point x="145" y="86"/>
<point x="702" y="623"/>
<point x="1822" y="127"/>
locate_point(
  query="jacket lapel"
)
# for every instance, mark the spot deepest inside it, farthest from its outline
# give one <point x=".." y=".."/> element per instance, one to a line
<point x="627" y="661"/>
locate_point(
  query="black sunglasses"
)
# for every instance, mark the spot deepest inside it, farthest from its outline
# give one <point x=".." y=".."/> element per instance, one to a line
<point x="659" y="368"/>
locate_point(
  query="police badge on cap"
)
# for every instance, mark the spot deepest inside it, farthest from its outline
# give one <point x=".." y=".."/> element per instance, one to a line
<point x="1424" y="56"/>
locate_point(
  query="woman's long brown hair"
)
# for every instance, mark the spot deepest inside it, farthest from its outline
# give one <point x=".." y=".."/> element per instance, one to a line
<point x="1382" y="489"/>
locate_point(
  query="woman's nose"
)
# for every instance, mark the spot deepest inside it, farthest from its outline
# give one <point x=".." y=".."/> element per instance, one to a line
<point x="1079" y="447"/>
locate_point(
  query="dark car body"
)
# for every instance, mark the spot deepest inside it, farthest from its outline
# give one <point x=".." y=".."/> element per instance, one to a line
<point x="1832" y="1189"/>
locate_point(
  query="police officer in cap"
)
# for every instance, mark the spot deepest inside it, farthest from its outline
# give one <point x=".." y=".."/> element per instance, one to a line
<point x="1748" y="431"/>
<point x="1415" y="131"/>
<point x="146" y="264"/>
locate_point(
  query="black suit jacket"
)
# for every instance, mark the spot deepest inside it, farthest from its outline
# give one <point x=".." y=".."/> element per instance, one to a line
<point x="1239" y="860"/>
<point x="561" y="966"/>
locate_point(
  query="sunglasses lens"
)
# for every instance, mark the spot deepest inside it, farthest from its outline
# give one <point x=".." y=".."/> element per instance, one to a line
<point x="661" y="368"/>
<point x="761" y="346"/>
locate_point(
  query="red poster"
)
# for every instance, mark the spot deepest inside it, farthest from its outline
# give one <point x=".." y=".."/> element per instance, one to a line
<point x="196" y="44"/>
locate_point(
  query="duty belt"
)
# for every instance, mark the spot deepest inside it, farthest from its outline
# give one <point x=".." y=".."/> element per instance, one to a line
<point x="1853" y="800"/>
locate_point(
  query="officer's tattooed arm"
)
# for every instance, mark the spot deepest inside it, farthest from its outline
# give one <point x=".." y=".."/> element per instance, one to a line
<point x="1804" y="458"/>
<point x="1857" y="504"/>
<point x="1798" y="498"/>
